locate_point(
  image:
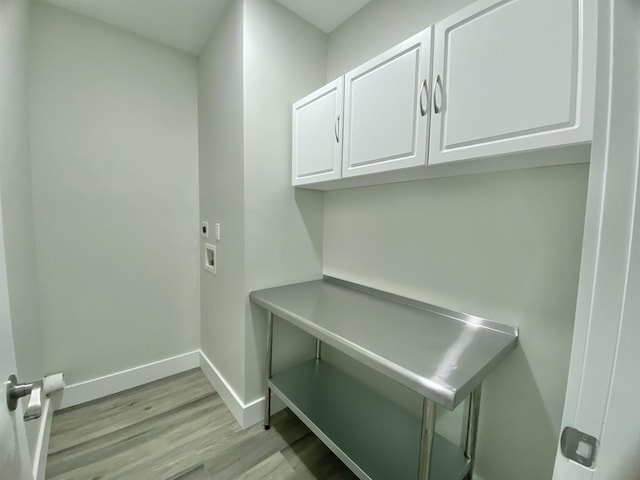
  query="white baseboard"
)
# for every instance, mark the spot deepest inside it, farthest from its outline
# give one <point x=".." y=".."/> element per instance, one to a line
<point x="245" y="414"/>
<point x="117" y="382"/>
<point x="254" y="411"/>
<point x="226" y="392"/>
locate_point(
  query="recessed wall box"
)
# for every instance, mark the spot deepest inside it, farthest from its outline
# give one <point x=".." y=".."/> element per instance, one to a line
<point x="210" y="258"/>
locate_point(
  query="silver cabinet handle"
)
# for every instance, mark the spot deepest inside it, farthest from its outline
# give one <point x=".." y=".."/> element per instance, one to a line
<point x="16" y="390"/>
<point x="436" y="107"/>
<point x="424" y="97"/>
<point x="337" y="129"/>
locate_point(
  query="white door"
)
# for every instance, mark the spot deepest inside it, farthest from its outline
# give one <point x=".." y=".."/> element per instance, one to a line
<point x="512" y="76"/>
<point x="317" y="135"/>
<point x="14" y="453"/>
<point x="603" y="392"/>
<point x="14" y="456"/>
<point x="386" y="111"/>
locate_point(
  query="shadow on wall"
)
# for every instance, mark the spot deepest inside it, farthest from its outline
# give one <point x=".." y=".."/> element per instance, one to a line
<point x="501" y="423"/>
<point x="295" y="253"/>
<point x="290" y="346"/>
<point x="307" y="201"/>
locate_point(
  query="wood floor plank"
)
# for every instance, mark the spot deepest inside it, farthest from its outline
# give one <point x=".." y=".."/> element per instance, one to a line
<point x="197" y="473"/>
<point x="96" y="419"/>
<point x="312" y="459"/>
<point x="261" y="444"/>
<point x="274" y="467"/>
<point x="182" y="437"/>
<point x="159" y="447"/>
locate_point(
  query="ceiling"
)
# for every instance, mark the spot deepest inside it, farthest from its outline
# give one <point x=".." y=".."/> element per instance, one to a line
<point x="327" y="15"/>
<point x="187" y="24"/>
<point x="182" y="24"/>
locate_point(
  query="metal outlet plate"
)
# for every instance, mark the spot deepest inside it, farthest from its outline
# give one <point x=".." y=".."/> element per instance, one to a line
<point x="579" y="446"/>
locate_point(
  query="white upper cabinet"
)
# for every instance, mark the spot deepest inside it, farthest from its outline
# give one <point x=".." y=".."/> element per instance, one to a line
<point x="498" y="77"/>
<point x="386" y="120"/>
<point x="511" y="76"/>
<point x="317" y="135"/>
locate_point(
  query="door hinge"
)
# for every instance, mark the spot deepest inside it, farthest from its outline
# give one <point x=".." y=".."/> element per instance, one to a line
<point x="579" y="446"/>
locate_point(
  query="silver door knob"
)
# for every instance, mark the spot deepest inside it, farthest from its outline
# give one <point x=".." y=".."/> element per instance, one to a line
<point x="16" y="391"/>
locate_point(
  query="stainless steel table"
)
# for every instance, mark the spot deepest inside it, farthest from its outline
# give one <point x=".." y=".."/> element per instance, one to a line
<point x="442" y="355"/>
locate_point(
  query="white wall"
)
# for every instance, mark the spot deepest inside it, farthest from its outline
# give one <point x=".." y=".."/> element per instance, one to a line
<point x="220" y="100"/>
<point x="113" y="121"/>
<point x="504" y="246"/>
<point x="284" y="59"/>
<point x="15" y="188"/>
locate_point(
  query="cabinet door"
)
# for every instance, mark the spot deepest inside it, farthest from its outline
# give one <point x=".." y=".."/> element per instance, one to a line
<point x="513" y="75"/>
<point x="386" y="119"/>
<point x="317" y="135"/>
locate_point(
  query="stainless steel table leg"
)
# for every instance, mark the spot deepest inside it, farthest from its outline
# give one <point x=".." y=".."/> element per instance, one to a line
<point x="472" y="428"/>
<point x="267" y="374"/>
<point x="318" y="348"/>
<point x="426" y="439"/>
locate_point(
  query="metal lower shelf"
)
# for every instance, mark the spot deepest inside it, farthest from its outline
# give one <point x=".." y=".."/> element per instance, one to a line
<point x="372" y="436"/>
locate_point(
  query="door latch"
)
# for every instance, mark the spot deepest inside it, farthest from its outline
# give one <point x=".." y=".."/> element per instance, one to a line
<point x="578" y="446"/>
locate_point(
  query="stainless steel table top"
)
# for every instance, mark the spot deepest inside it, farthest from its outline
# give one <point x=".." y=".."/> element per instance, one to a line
<point x="440" y="354"/>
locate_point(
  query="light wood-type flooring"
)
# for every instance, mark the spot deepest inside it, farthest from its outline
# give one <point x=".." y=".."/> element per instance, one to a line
<point x="178" y="428"/>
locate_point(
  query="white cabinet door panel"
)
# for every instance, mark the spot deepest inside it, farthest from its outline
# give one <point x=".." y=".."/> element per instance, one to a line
<point x="513" y="75"/>
<point x="386" y="112"/>
<point x="317" y="135"/>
